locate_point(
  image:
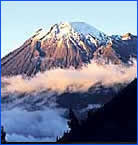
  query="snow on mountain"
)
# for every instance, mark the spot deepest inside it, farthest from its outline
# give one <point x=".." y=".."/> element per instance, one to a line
<point x="86" y="29"/>
<point x="67" y="45"/>
<point x="75" y="29"/>
<point x="64" y="45"/>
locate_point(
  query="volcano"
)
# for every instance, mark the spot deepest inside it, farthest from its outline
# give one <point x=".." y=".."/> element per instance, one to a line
<point x="67" y="45"/>
<point x="71" y="65"/>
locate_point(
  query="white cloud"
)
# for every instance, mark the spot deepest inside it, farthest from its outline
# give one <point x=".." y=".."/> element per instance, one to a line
<point x="44" y="125"/>
<point x="47" y="124"/>
<point x="61" y="79"/>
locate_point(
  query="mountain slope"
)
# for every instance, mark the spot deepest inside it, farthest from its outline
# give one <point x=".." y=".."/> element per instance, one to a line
<point x="115" y="122"/>
<point x="67" y="45"/>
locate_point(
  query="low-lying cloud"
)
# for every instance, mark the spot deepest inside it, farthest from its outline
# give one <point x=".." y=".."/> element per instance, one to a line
<point x="45" y="125"/>
<point x="36" y="126"/>
<point x="75" y="80"/>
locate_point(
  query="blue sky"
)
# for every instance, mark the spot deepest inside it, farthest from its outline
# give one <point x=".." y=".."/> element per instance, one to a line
<point x="21" y="19"/>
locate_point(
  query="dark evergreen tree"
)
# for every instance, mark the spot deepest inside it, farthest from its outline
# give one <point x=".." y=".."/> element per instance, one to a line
<point x="3" y="135"/>
<point x="74" y="126"/>
<point x="116" y="121"/>
<point x="73" y="122"/>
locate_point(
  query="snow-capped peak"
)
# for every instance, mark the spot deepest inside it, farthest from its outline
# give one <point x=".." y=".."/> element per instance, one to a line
<point x="86" y="29"/>
<point x="61" y="29"/>
<point x="76" y="30"/>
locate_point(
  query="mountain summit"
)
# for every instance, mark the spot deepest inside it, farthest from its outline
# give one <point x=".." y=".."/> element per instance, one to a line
<point x="67" y="45"/>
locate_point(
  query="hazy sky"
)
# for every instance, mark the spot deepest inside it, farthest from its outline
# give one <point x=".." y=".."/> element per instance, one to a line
<point x="21" y="19"/>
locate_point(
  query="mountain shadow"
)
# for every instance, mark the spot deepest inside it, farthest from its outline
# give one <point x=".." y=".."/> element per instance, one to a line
<point x="115" y="122"/>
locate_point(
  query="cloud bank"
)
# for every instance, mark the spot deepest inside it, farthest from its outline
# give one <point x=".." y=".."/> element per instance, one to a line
<point x="46" y="124"/>
<point x="36" y="126"/>
<point x="75" y="80"/>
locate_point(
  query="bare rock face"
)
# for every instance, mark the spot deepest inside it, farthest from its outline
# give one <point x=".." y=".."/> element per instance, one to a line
<point x="106" y="55"/>
<point x="68" y="45"/>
